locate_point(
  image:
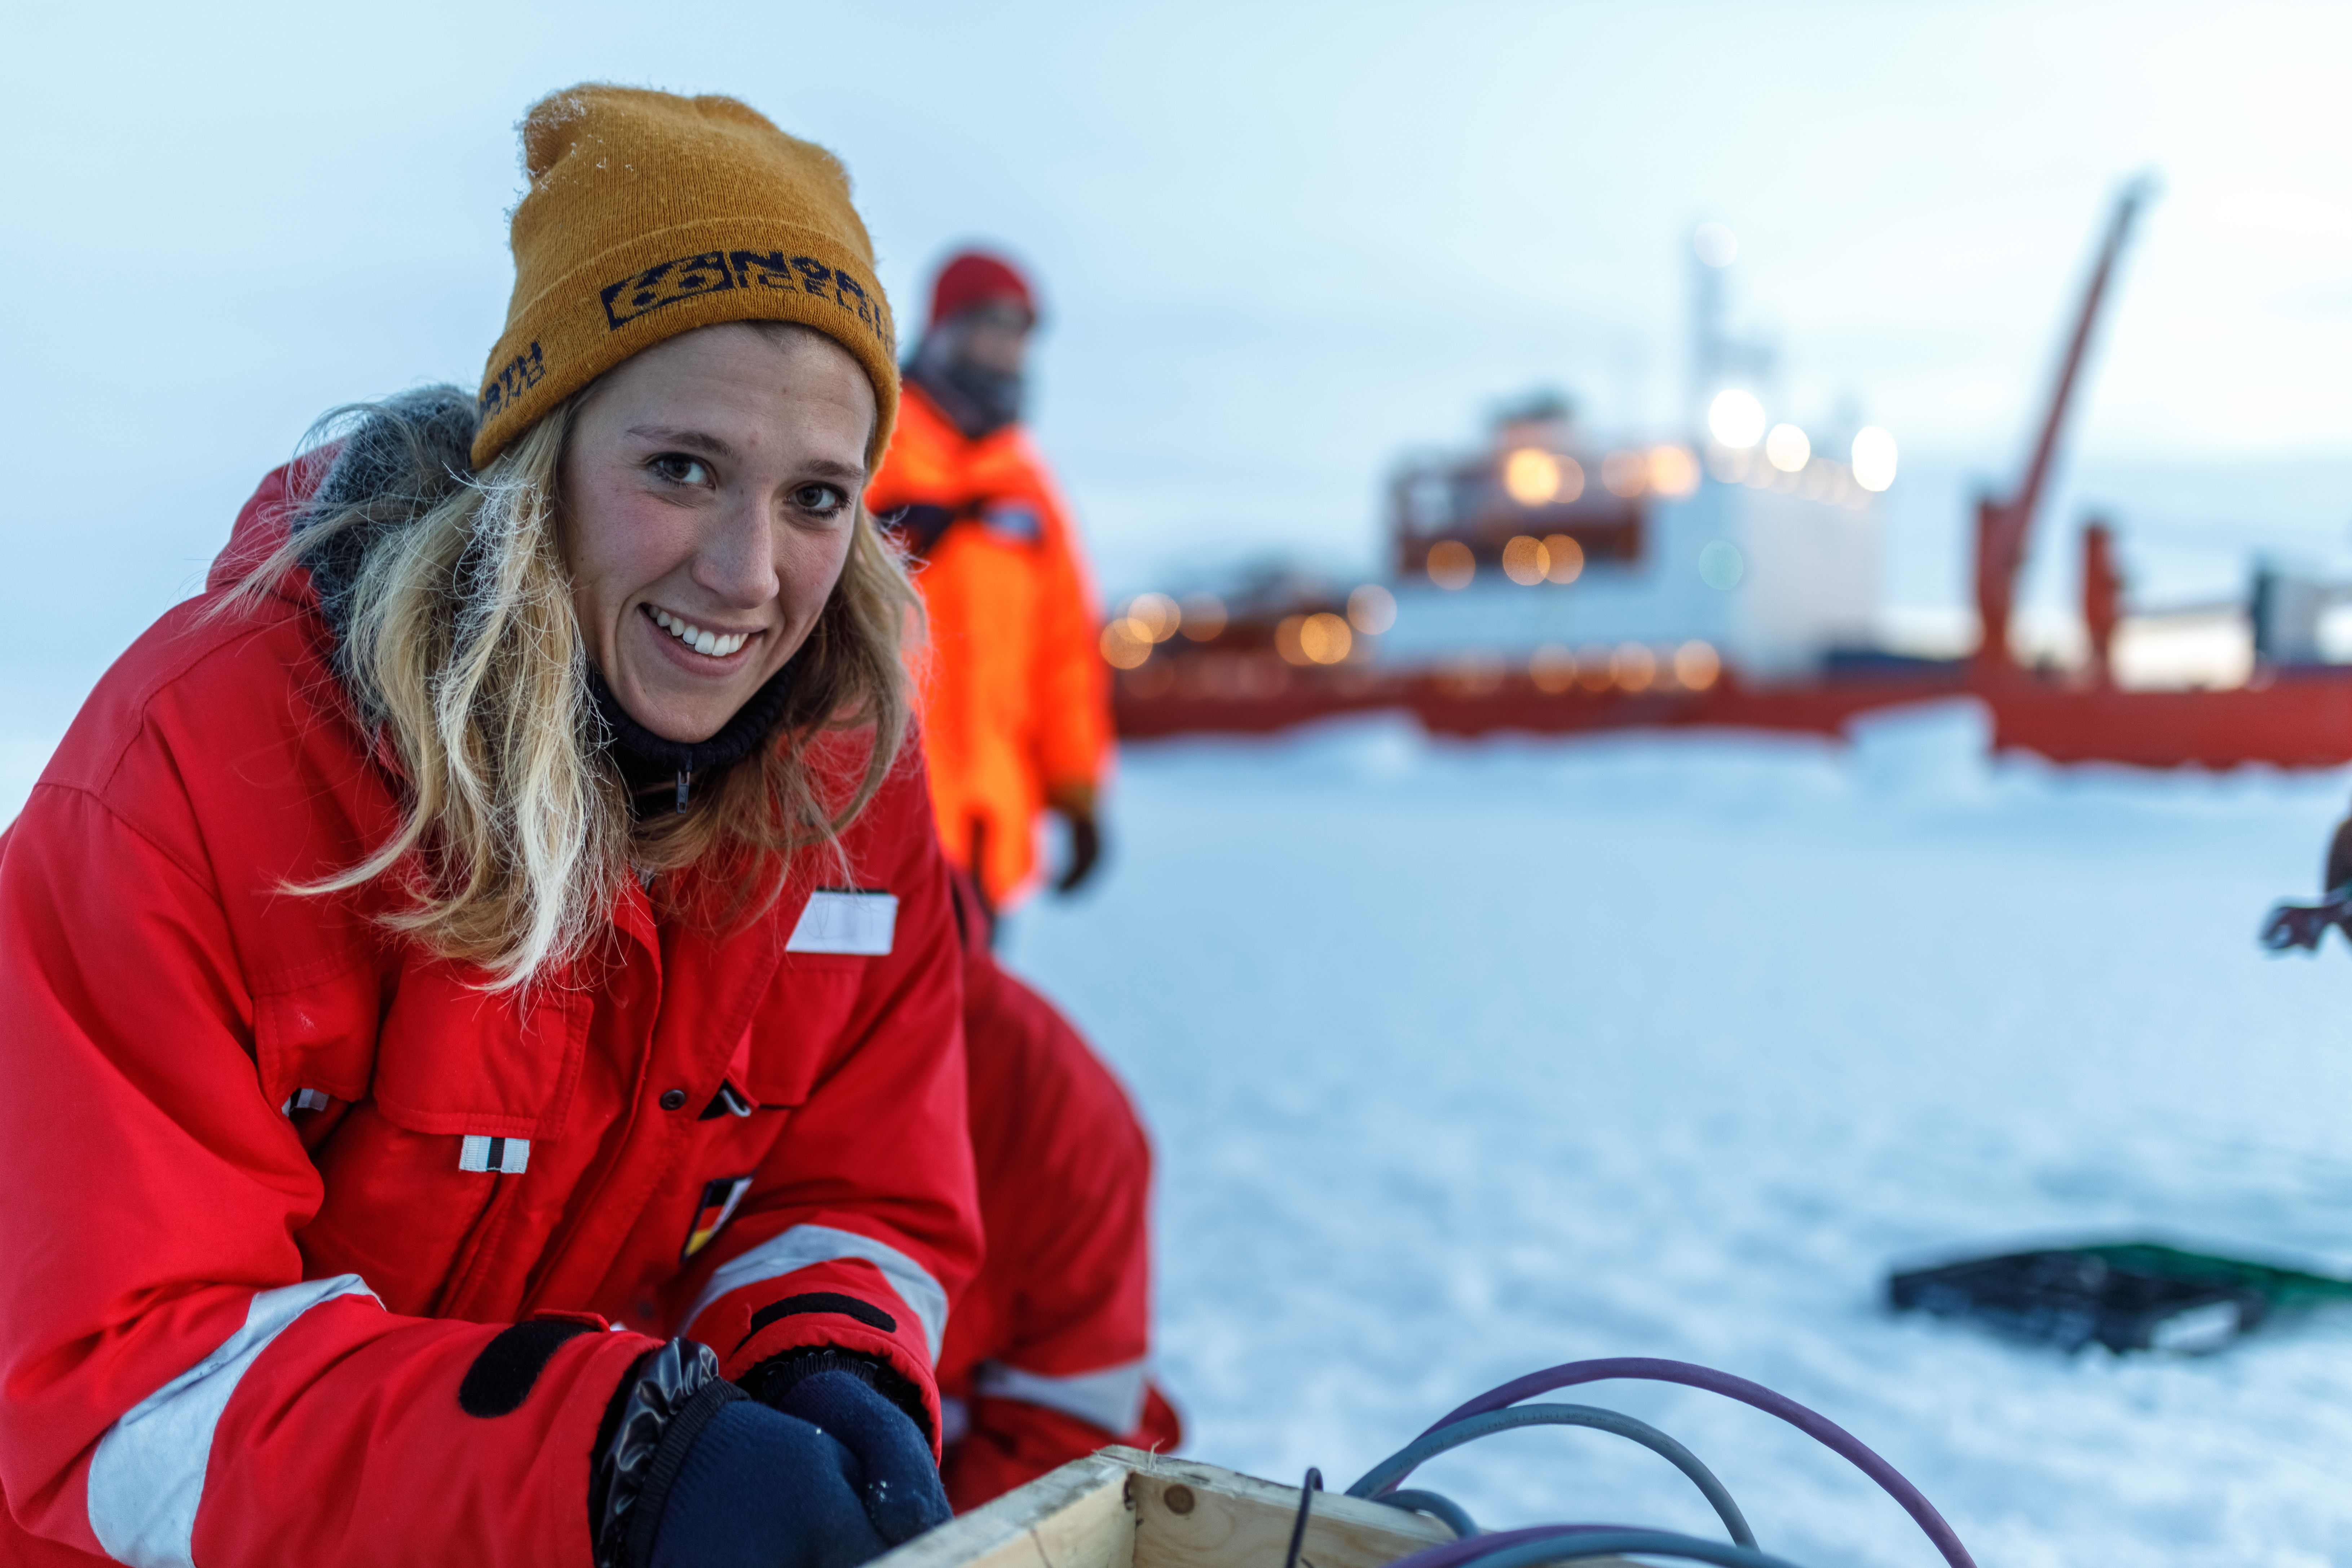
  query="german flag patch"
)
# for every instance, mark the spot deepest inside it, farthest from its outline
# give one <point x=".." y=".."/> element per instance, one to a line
<point x="718" y="1201"/>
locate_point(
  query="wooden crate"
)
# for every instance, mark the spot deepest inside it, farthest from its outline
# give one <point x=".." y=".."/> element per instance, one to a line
<point x="1123" y="1508"/>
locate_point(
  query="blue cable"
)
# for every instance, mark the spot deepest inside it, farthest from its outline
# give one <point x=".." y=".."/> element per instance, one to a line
<point x="1452" y="1514"/>
<point x="1573" y="1544"/>
<point x="1429" y="1445"/>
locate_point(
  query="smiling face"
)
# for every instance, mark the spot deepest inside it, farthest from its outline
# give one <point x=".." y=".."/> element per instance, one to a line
<point x="710" y="492"/>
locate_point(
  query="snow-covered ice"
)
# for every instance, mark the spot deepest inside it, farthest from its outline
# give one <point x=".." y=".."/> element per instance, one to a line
<point x="1466" y="1060"/>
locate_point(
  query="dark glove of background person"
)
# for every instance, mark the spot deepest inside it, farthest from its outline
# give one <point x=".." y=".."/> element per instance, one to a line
<point x="1075" y="804"/>
<point x="761" y="1489"/>
<point x="848" y="1398"/>
<point x="2338" y="869"/>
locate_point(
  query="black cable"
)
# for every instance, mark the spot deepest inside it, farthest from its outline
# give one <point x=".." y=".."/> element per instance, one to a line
<point x="1429" y="1445"/>
<point x="1306" y="1490"/>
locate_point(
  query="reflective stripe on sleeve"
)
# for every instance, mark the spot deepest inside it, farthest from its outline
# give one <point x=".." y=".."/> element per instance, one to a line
<point x="808" y="1244"/>
<point x="147" y="1478"/>
<point x="1111" y="1399"/>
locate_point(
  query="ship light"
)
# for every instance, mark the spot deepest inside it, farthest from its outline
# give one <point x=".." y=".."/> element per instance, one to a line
<point x="1735" y="419"/>
<point x="1674" y="472"/>
<point x="1451" y="565"/>
<point x="1525" y="562"/>
<point x="1286" y="640"/>
<point x="1204" y="617"/>
<point x="1154" y="617"/>
<point x="1532" y="476"/>
<point x="1625" y="473"/>
<point x="1788" y="448"/>
<point x="1565" y="561"/>
<point x="1636" y="667"/>
<point x="1324" y="637"/>
<point x="1371" y="609"/>
<point x="1874" y="457"/>
<point x="1696" y="664"/>
<point x="1122" y="649"/>
<point x="1553" y="669"/>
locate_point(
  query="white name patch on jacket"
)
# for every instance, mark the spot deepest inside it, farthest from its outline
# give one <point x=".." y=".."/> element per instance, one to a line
<point x="847" y="920"/>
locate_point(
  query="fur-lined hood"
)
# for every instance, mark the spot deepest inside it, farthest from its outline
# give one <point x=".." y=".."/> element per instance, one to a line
<point x="394" y="462"/>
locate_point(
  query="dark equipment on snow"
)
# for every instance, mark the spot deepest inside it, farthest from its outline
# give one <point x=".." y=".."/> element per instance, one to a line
<point x="2127" y="1295"/>
<point x="2301" y="925"/>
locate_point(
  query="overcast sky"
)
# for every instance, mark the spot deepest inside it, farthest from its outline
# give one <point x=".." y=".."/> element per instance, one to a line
<point x="1280" y="245"/>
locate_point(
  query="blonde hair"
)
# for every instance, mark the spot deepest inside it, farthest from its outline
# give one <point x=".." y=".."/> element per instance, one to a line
<point x="465" y="658"/>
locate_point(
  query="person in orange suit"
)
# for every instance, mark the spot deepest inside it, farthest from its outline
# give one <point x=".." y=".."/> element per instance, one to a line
<point x="1047" y="1354"/>
<point x="1016" y="702"/>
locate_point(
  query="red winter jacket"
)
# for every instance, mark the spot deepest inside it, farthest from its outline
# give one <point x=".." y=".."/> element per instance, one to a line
<point x="275" y="1180"/>
<point x="1047" y="1356"/>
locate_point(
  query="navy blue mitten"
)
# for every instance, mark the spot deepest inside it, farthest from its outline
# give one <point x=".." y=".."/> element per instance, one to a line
<point x="838" y="1395"/>
<point x="762" y="1490"/>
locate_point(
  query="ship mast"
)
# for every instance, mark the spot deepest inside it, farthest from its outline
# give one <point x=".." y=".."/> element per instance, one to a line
<point x="2005" y="528"/>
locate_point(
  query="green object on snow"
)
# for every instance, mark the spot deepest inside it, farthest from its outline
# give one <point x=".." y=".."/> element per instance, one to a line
<point x="2127" y="1295"/>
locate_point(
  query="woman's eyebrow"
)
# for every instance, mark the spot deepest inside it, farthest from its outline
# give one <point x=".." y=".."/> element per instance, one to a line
<point x="700" y="441"/>
<point x="711" y="446"/>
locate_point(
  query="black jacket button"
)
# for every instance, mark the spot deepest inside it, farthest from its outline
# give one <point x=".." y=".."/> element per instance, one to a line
<point x="673" y="1100"/>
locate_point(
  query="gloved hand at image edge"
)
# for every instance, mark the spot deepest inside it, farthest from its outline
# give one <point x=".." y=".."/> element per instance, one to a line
<point x="872" y="1411"/>
<point x="692" y="1472"/>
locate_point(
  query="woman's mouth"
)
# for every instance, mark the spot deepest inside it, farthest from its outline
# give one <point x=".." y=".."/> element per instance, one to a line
<point x="701" y="639"/>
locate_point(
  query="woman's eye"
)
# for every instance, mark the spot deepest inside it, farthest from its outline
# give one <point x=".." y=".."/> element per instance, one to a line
<point x="680" y="469"/>
<point x="822" y="500"/>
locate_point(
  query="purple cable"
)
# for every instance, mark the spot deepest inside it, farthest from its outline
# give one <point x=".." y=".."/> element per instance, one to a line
<point x="1819" y="1428"/>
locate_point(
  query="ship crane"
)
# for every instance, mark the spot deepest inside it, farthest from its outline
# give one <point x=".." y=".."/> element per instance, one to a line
<point x="2005" y="526"/>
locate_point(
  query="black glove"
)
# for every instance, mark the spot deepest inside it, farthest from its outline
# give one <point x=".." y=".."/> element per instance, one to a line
<point x="1075" y="802"/>
<point x="874" y="1412"/>
<point x="761" y="1489"/>
<point x="2301" y="925"/>
<point x="2338" y="870"/>
<point x="1085" y="849"/>
<point x="692" y="1473"/>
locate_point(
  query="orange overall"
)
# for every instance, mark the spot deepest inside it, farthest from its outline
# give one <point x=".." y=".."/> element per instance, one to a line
<point x="1016" y="704"/>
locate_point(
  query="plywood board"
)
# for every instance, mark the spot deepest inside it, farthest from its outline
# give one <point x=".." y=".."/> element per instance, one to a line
<point x="1123" y="1508"/>
<point x="1189" y="1515"/>
<point x="1078" y="1517"/>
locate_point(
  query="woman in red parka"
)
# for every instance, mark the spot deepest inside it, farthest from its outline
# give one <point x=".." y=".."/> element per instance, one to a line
<point x="483" y="1079"/>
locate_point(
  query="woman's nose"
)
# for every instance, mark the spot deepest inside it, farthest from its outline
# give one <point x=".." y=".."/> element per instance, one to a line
<point x="737" y="562"/>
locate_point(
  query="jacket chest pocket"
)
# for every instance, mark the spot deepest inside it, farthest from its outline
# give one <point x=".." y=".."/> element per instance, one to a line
<point x="466" y="1085"/>
<point x="317" y="1040"/>
<point x="452" y="1058"/>
<point x="803" y="1027"/>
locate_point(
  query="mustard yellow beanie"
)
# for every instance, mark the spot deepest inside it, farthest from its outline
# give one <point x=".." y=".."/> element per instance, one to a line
<point x="650" y="214"/>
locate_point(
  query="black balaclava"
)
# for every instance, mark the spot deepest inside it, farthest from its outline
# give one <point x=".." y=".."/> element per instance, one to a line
<point x="977" y="401"/>
<point x="650" y="764"/>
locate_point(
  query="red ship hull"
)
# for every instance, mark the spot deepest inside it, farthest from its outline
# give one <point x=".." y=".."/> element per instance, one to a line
<point x="2293" y="719"/>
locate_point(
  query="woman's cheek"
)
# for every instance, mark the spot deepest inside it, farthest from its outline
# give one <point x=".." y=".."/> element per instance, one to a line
<point x="809" y="568"/>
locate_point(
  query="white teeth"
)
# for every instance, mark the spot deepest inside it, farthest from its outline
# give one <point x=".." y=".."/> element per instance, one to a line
<point x="711" y="645"/>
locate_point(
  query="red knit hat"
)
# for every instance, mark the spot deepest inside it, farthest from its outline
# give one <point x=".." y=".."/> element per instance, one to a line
<point x="976" y="278"/>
